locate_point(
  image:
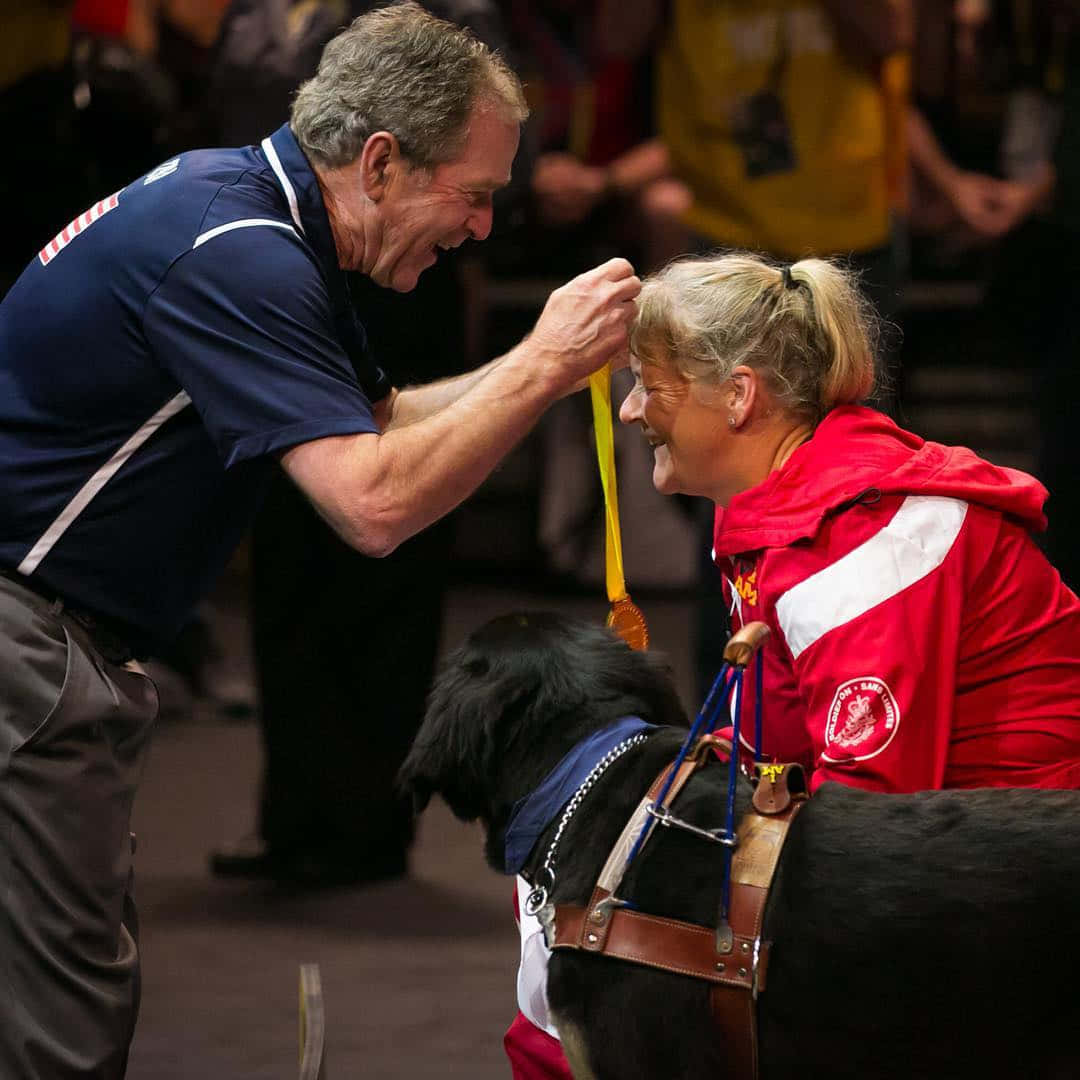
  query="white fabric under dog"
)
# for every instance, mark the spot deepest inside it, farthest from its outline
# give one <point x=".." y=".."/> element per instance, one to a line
<point x="532" y="974"/>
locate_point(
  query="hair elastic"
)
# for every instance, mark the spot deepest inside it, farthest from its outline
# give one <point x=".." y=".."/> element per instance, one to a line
<point x="789" y="281"/>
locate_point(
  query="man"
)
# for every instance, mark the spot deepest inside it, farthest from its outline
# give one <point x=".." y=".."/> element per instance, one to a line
<point x="157" y="359"/>
<point x="367" y="667"/>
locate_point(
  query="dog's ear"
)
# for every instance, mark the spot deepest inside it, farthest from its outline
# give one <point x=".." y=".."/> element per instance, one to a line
<point x="452" y="754"/>
<point x="508" y="703"/>
<point x="435" y="766"/>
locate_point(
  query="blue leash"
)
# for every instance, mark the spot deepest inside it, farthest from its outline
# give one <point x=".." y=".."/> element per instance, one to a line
<point x="759" y="695"/>
<point x="729" y="820"/>
<point x="708" y="711"/>
<point x="729" y="679"/>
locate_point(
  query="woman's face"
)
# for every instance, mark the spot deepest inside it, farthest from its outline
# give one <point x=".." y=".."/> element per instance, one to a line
<point x="683" y="423"/>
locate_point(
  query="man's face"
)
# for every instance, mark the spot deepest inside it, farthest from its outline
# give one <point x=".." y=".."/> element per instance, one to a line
<point x="421" y="212"/>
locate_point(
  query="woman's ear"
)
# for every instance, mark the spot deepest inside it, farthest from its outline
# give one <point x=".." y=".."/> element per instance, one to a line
<point x="746" y="393"/>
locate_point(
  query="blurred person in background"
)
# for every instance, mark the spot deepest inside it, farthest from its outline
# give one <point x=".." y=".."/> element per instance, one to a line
<point x="1033" y="291"/>
<point x="1001" y="80"/>
<point x="40" y="116"/>
<point x="791" y="124"/>
<point x="600" y="184"/>
<point x="150" y="63"/>
<point x="88" y="97"/>
<point x="160" y="358"/>
<point x="66" y="94"/>
<point x="344" y="645"/>
<point x="598" y="167"/>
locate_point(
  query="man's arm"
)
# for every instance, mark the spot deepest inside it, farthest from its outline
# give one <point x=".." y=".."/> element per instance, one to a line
<point x="412" y="403"/>
<point x="377" y="490"/>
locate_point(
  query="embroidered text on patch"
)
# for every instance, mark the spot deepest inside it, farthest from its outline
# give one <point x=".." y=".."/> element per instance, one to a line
<point x="746" y="586"/>
<point x="862" y="721"/>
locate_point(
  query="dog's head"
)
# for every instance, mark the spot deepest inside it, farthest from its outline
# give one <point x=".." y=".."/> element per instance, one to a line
<point x="514" y="698"/>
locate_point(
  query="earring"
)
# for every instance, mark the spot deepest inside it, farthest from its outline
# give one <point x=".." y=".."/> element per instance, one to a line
<point x="731" y="421"/>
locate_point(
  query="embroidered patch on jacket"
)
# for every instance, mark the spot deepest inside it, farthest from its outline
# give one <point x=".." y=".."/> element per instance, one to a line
<point x="166" y="169"/>
<point x="862" y="721"/>
<point x="746" y="586"/>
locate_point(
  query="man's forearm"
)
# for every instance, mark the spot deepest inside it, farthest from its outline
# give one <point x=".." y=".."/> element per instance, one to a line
<point x="378" y="490"/>
<point x="413" y="403"/>
<point x="429" y="466"/>
<point x="434" y="450"/>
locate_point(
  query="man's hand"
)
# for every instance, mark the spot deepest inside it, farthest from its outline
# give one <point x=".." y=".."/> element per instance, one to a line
<point x="585" y="324"/>
<point x="376" y="490"/>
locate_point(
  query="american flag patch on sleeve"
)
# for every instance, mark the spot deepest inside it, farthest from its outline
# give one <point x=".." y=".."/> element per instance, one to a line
<point x="73" y="228"/>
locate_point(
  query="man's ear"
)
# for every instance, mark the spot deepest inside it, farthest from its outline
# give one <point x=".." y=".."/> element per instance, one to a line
<point x="377" y="160"/>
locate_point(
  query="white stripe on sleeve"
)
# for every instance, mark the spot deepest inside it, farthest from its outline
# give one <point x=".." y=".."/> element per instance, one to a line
<point x="913" y="544"/>
<point x="243" y="223"/>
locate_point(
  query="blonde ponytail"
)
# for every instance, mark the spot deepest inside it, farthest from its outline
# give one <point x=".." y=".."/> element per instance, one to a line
<point x="806" y="327"/>
<point x="848" y="326"/>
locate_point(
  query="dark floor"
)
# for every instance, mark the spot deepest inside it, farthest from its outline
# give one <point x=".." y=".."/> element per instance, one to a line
<point x="418" y="975"/>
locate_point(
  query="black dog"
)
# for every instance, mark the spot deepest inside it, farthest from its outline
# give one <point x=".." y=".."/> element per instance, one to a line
<point x="933" y="935"/>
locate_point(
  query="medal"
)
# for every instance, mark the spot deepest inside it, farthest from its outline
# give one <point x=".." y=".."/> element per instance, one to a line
<point x="625" y="617"/>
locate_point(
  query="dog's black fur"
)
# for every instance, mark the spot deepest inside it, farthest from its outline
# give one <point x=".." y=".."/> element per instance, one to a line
<point x="933" y="935"/>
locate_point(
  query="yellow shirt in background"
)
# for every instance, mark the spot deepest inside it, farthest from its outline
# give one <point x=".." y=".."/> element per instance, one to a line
<point x="835" y="199"/>
<point x="35" y="35"/>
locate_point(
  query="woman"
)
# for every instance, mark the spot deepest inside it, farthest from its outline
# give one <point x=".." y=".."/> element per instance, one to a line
<point x="920" y="639"/>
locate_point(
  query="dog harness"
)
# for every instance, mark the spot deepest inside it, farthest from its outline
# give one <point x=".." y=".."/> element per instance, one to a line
<point x="732" y="956"/>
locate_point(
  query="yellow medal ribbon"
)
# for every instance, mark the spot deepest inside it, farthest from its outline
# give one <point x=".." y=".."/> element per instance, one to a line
<point x="625" y="617"/>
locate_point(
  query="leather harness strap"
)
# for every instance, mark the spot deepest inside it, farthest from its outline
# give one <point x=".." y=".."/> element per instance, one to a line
<point x="611" y="875"/>
<point x="737" y="972"/>
<point x="761" y="836"/>
<point x="590" y="927"/>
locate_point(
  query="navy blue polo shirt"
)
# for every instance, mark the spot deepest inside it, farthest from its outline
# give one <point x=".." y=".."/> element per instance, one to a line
<point x="155" y="357"/>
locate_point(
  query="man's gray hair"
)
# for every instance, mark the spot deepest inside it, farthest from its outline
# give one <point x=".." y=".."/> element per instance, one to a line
<point x="402" y="70"/>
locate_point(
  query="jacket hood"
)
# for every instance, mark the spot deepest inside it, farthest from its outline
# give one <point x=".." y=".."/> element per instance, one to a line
<point x="855" y="450"/>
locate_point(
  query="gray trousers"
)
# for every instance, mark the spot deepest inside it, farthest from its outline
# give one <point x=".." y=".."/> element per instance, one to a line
<point x="73" y="728"/>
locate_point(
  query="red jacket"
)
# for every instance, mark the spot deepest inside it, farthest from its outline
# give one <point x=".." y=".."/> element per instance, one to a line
<point x="920" y="639"/>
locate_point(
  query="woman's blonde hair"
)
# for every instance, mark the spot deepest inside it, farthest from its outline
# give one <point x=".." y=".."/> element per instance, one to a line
<point x="807" y="328"/>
